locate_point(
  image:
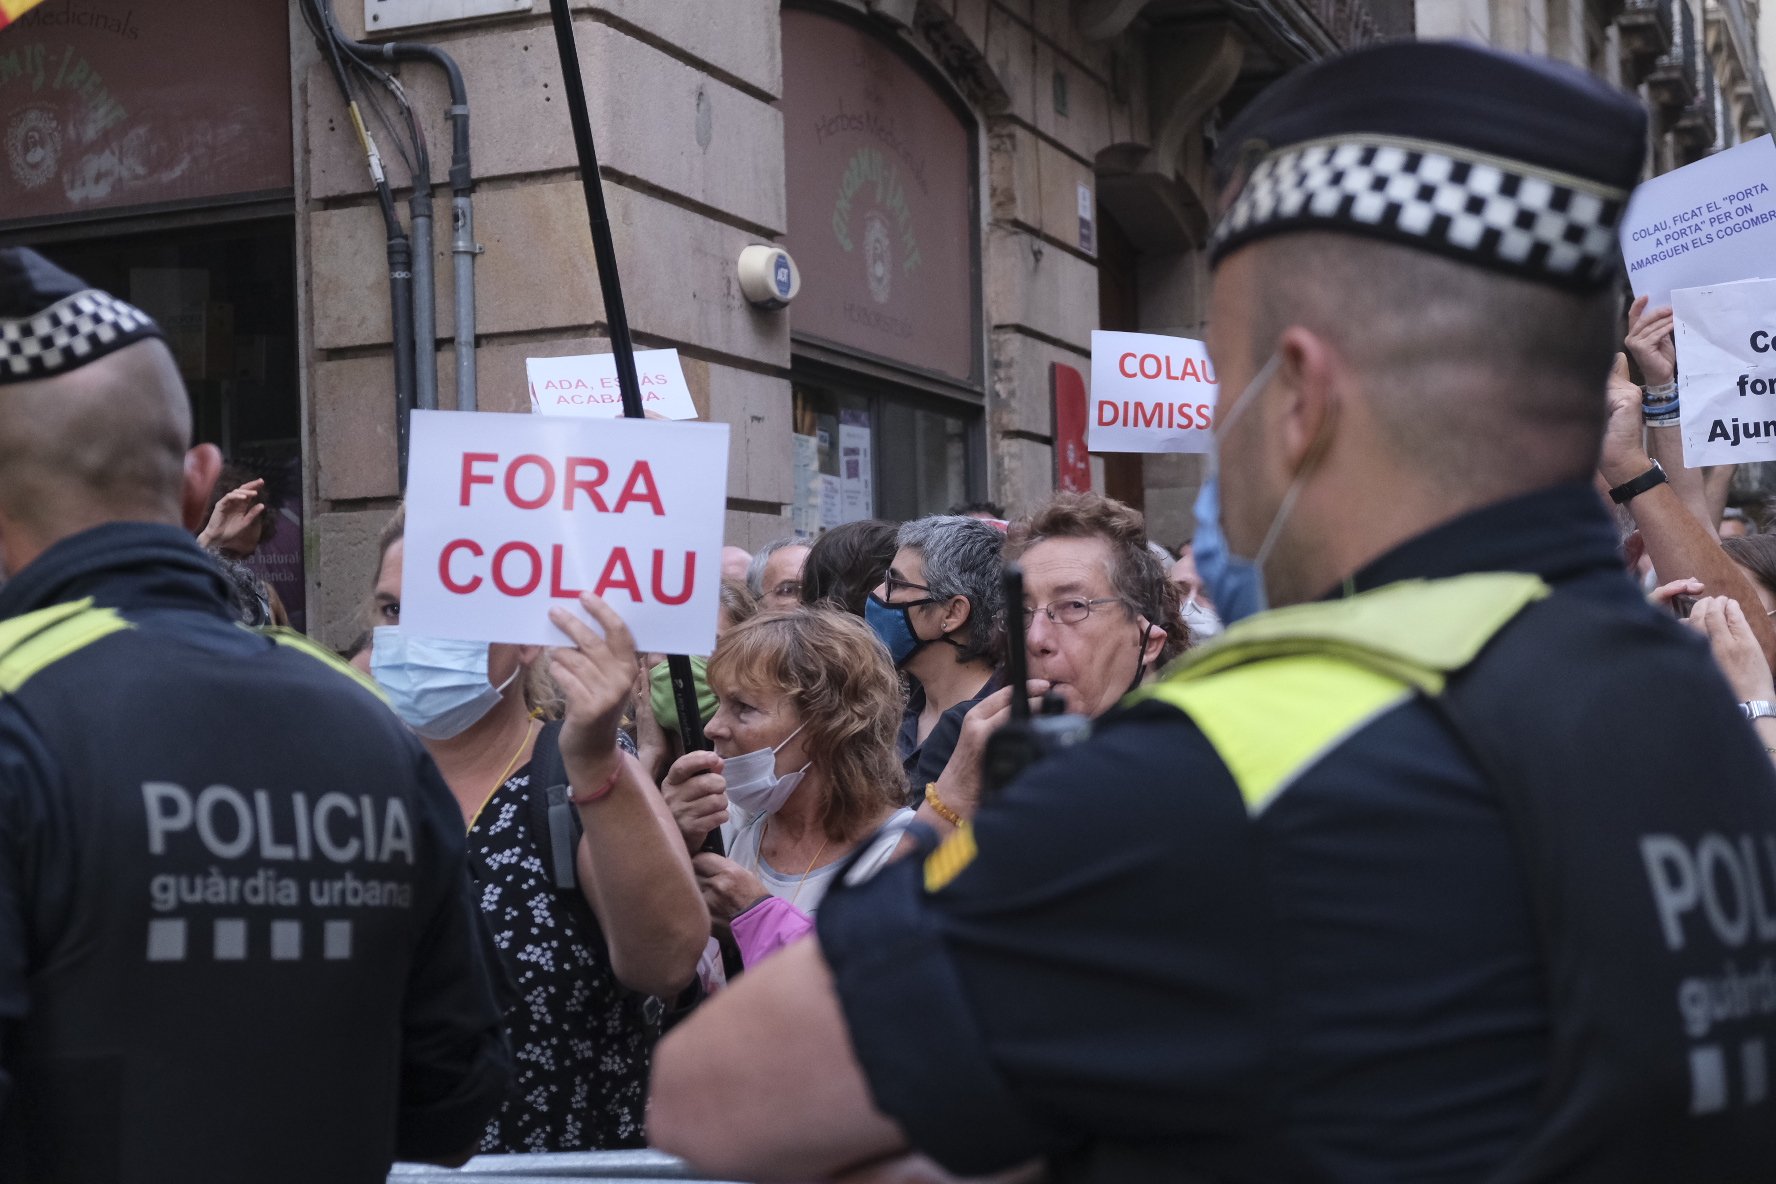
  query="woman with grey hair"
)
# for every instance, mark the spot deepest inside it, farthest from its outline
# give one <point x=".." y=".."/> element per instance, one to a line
<point x="940" y="611"/>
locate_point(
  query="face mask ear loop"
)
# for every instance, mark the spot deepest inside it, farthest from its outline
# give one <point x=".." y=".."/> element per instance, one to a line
<point x="501" y="689"/>
<point x="775" y="748"/>
<point x="1315" y="453"/>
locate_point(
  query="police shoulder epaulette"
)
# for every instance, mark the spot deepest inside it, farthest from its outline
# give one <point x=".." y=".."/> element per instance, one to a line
<point x="291" y="639"/>
<point x="35" y="641"/>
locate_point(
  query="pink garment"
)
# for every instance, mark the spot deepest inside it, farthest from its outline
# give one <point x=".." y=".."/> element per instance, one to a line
<point x="767" y="927"/>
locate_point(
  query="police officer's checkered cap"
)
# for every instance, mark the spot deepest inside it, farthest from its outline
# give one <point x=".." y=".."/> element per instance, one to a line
<point x="1513" y="163"/>
<point x="51" y="322"/>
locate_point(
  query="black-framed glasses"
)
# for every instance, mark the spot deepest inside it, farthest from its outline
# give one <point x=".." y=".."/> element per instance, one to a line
<point x="1072" y="609"/>
<point x="893" y="584"/>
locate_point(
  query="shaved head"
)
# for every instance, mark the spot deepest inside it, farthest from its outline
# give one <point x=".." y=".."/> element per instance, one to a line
<point x="102" y="443"/>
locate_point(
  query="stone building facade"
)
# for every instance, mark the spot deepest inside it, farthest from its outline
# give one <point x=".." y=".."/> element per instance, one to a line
<point x="969" y="187"/>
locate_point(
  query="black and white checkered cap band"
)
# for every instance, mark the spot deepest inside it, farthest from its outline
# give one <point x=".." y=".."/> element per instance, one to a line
<point x="1498" y="213"/>
<point x="69" y="333"/>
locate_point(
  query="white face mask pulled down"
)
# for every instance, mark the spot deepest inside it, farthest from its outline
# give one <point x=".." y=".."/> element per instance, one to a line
<point x="753" y="783"/>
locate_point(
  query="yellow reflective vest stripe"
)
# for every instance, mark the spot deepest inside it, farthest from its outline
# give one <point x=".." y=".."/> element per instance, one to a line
<point x="35" y="641"/>
<point x="1278" y="692"/>
<point x="291" y="639"/>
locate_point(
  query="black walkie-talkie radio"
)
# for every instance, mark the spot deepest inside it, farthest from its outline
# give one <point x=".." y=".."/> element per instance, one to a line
<point x="1027" y="738"/>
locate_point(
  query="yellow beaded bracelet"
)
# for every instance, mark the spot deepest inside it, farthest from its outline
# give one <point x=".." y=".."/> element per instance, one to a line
<point x="937" y="803"/>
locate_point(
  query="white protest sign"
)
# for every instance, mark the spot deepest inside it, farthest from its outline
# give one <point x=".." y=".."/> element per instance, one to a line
<point x="1726" y="367"/>
<point x="511" y="515"/>
<point x="1150" y="393"/>
<point x="586" y="384"/>
<point x="1711" y="222"/>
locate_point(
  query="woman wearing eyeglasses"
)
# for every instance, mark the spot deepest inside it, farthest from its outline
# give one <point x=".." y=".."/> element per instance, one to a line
<point x="940" y="611"/>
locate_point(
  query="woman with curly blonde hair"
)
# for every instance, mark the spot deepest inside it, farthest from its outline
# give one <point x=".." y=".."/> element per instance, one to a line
<point x="804" y="770"/>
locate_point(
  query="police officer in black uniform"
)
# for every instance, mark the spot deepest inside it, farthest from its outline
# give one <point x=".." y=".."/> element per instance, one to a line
<point x="1462" y="867"/>
<point x="235" y="937"/>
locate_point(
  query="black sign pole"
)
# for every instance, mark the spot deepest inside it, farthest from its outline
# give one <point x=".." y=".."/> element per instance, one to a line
<point x="604" y="252"/>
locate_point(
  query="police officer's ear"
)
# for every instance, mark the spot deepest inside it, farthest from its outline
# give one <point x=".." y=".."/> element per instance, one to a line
<point x="203" y="464"/>
<point x="1309" y="377"/>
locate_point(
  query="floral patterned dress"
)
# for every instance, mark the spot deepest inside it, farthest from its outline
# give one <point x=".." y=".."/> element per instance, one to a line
<point x="581" y="1041"/>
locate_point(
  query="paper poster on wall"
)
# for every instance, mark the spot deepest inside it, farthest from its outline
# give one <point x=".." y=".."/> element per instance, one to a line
<point x="804" y="512"/>
<point x="1711" y="222"/>
<point x="830" y="513"/>
<point x="586" y="384"/>
<point x="1726" y="366"/>
<point x="856" y="474"/>
<point x="1150" y="393"/>
<point x="509" y="516"/>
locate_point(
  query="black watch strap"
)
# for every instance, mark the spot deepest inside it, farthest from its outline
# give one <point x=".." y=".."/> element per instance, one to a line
<point x="1631" y="489"/>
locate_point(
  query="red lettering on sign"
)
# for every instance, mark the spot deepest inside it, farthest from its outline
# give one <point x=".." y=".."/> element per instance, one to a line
<point x="1154" y="358"/>
<point x="450" y="548"/>
<point x="618" y="573"/>
<point x="556" y="562"/>
<point x="640" y="488"/>
<point x="1122" y="365"/>
<point x="685" y="588"/>
<point x="499" y="569"/>
<point x="548" y="490"/>
<point x="470" y="477"/>
<point x="586" y="485"/>
<point x="1107" y="414"/>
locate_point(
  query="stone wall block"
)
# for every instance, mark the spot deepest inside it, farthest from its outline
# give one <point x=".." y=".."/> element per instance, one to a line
<point x="1014" y="174"/>
<point x="738" y="37"/>
<point x="1085" y="129"/>
<point x="354" y="425"/>
<point x="1011" y="55"/>
<point x="752" y="530"/>
<point x="538" y="272"/>
<point x="971" y="18"/>
<point x="1060" y="176"/>
<point x="342" y="547"/>
<point x="653" y="117"/>
<point x="1020" y="396"/>
<point x="761" y="453"/>
<point x="1025" y="474"/>
<point x="1040" y="287"/>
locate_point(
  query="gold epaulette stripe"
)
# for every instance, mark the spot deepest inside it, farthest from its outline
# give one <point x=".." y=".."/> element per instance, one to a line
<point x="951" y="856"/>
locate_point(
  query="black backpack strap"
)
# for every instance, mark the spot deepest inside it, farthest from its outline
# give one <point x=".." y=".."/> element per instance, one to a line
<point x="552" y="817"/>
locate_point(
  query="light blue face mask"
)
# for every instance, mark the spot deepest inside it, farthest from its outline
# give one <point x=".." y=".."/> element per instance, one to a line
<point x="1234" y="583"/>
<point x="437" y="685"/>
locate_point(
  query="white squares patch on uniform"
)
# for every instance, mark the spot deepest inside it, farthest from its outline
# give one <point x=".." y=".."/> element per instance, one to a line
<point x="286" y="941"/>
<point x="166" y="939"/>
<point x="336" y="940"/>
<point x="1754" y="1067"/>
<point x="231" y="939"/>
<point x="1708" y="1079"/>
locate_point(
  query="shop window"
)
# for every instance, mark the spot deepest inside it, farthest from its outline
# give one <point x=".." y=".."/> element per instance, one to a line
<point x="875" y="454"/>
<point x="225" y="296"/>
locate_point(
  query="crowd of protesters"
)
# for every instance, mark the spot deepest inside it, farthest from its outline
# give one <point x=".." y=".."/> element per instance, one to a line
<point x="856" y="679"/>
<point x="1160" y="958"/>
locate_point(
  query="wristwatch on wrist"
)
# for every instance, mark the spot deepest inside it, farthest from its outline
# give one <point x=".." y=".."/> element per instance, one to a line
<point x="1758" y="709"/>
<point x="1639" y="485"/>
